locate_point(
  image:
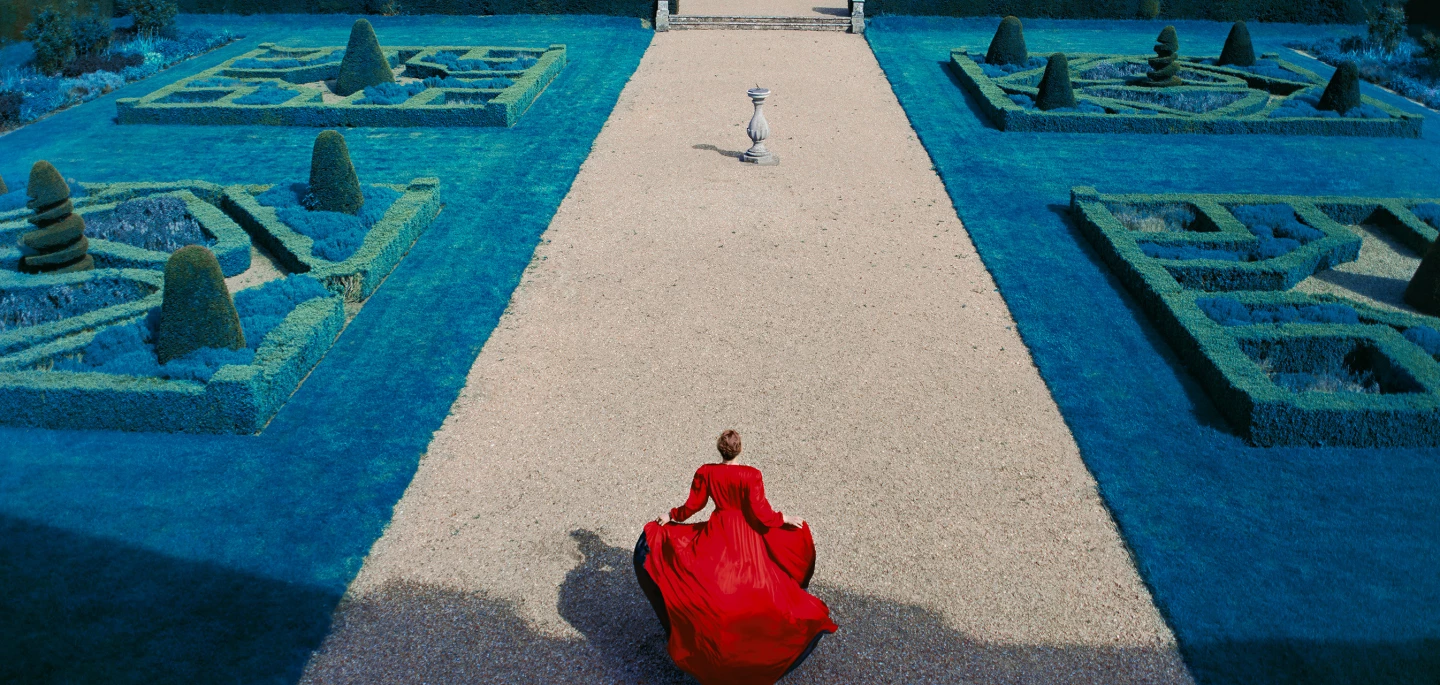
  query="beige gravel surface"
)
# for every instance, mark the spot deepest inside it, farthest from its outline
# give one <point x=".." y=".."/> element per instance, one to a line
<point x="833" y="310"/>
<point x="1378" y="277"/>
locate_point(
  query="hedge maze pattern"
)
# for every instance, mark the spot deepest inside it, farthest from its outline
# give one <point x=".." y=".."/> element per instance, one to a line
<point x="1274" y="97"/>
<point x="1285" y="367"/>
<point x="278" y="86"/>
<point x="238" y="398"/>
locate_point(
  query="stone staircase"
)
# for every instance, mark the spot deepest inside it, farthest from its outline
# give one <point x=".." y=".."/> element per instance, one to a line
<point x="683" y="22"/>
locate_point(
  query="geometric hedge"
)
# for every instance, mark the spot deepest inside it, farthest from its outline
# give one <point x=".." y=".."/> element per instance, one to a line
<point x="1285" y="367"/>
<point x="1273" y="97"/>
<point x="65" y="317"/>
<point x="277" y="86"/>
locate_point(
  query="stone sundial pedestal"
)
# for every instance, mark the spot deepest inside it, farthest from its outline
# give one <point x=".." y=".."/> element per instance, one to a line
<point x="758" y="131"/>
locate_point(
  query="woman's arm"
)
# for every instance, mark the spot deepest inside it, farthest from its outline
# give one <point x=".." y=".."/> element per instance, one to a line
<point x="699" y="495"/>
<point x="760" y="507"/>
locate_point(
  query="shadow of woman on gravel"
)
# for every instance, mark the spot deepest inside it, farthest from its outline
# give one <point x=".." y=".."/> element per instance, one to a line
<point x="416" y="633"/>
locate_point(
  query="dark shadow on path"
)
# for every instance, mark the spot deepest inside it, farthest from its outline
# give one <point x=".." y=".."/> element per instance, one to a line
<point x="737" y="154"/>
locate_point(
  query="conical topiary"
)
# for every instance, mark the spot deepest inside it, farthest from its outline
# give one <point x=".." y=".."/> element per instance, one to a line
<point x="1163" y="68"/>
<point x="1238" y="49"/>
<point x="364" y="63"/>
<point x="1008" y="45"/>
<point x="1055" y="89"/>
<point x="334" y="187"/>
<point x="196" y="309"/>
<point x="58" y="243"/>
<point x="1343" y="92"/>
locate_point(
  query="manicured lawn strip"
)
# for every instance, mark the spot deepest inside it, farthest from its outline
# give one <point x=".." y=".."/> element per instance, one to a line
<point x="222" y="555"/>
<point x="1272" y="565"/>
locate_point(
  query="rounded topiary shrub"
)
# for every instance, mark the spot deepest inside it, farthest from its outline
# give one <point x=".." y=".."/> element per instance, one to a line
<point x="1163" y="68"/>
<point x="58" y="242"/>
<point x="1008" y="45"/>
<point x="1343" y="92"/>
<point x="334" y="187"/>
<point x="196" y="309"/>
<point x="364" y="63"/>
<point x="1055" y="88"/>
<point x="1238" y="49"/>
<point x="1149" y="9"/>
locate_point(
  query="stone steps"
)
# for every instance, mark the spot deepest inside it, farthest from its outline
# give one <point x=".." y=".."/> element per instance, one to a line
<point x="680" y="22"/>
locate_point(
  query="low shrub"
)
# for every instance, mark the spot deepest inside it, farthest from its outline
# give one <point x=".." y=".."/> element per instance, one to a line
<point x="162" y="223"/>
<point x="10" y="102"/>
<point x="216" y="82"/>
<point x="52" y="40"/>
<point x="1189" y="252"/>
<point x="1425" y="338"/>
<point x="498" y="83"/>
<point x="1428" y="212"/>
<point x="1170" y="218"/>
<point x="1230" y="312"/>
<point x="1111" y="70"/>
<point x="152" y="17"/>
<point x="1307" y="105"/>
<point x="1407" y="69"/>
<point x="269" y="93"/>
<point x="391" y="93"/>
<point x="111" y="62"/>
<point x="33" y="306"/>
<point x="257" y="63"/>
<point x="1275" y="221"/>
<point x="336" y="235"/>
<point x="129" y="350"/>
<point x="91" y="35"/>
<point x="1194" y="101"/>
<point x="452" y="62"/>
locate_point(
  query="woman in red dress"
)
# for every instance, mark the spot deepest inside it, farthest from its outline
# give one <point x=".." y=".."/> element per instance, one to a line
<point x="730" y="591"/>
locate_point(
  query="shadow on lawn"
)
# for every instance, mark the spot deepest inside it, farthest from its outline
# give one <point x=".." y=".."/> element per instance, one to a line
<point x="971" y="100"/>
<point x="417" y="633"/>
<point x="81" y="609"/>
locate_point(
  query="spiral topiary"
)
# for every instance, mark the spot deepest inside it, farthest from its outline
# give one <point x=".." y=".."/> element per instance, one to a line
<point x="1238" y="49"/>
<point x="1055" y="88"/>
<point x="1343" y="92"/>
<point x="196" y="309"/>
<point x="1008" y="45"/>
<point x="1163" y="68"/>
<point x="334" y="187"/>
<point x="58" y="243"/>
<point x="364" y="63"/>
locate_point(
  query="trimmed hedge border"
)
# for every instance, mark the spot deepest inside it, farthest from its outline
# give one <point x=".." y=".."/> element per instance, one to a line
<point x="1292" y="11"/>
<point x="644" y="9"/>
<point x="231" y="248"/>
<point x="504" y="108"/>
<point x="237" y="399"/>
<point x="1170" y="292"/>
<point x="30" y="336"/>
<point x="357" y="277"/>
<point x="1248" y="115"/>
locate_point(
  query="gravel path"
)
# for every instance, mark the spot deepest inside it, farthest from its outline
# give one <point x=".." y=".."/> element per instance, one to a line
<point x="833" y="310"/>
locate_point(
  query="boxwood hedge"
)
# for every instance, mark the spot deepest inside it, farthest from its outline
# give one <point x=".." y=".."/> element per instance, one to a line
<point x="1246" y="100"/>
<point x="243" y="90"/>
<point x="1246" y="336"/>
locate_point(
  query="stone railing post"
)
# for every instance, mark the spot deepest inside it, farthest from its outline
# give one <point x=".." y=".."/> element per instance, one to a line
<point x="662" y="15"/>
<point x="857" y="16"/>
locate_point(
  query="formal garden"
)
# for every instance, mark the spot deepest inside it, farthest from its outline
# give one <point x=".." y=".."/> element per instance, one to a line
<point x="246" y="263"/>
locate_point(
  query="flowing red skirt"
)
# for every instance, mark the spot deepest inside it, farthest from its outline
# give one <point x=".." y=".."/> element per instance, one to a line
<point x="737" y="610"/>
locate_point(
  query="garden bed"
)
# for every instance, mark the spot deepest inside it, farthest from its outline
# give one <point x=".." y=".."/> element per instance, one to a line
<point x="370" y="250"/>
<point x="108" y="378"/>
<point x="1273" y="97"/>
<point x="436" y="86"/>
<point x="35" y="309"/>
<point x="1284" y="366"/>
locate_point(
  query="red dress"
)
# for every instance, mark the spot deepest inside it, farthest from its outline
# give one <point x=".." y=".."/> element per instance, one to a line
<point x="732" y="585"/>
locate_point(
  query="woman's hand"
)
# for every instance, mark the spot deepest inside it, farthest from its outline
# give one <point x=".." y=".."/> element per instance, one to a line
<point x="793" y="522"/>
<point x="662" y="519"/>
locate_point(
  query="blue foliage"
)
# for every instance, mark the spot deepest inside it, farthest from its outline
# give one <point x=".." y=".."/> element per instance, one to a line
<point x="257" y="63"/>
<point x="1188" y="252"/>
<point x="336" y="235"/>
<point x="13" y="200"/>
<point x="269" y="93"/>
<point x="498" y="83"/>
<point x="1428" y="212"/>
<point x="153" y="223"/>
<point x="390" y="93"/>
<point x="1403" y="70"/>
<point x="1306" y="105"/>
<point x="1275" y="221"/>
<point x="214" y="82"/>
<point x="1425" y="338"/>
<point x="1229" y="312"/>
<point x="129" y="349"/>
<point x="32" y="306"/>
<point x="452" y="62"/>
<point x="999" y="70"/>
